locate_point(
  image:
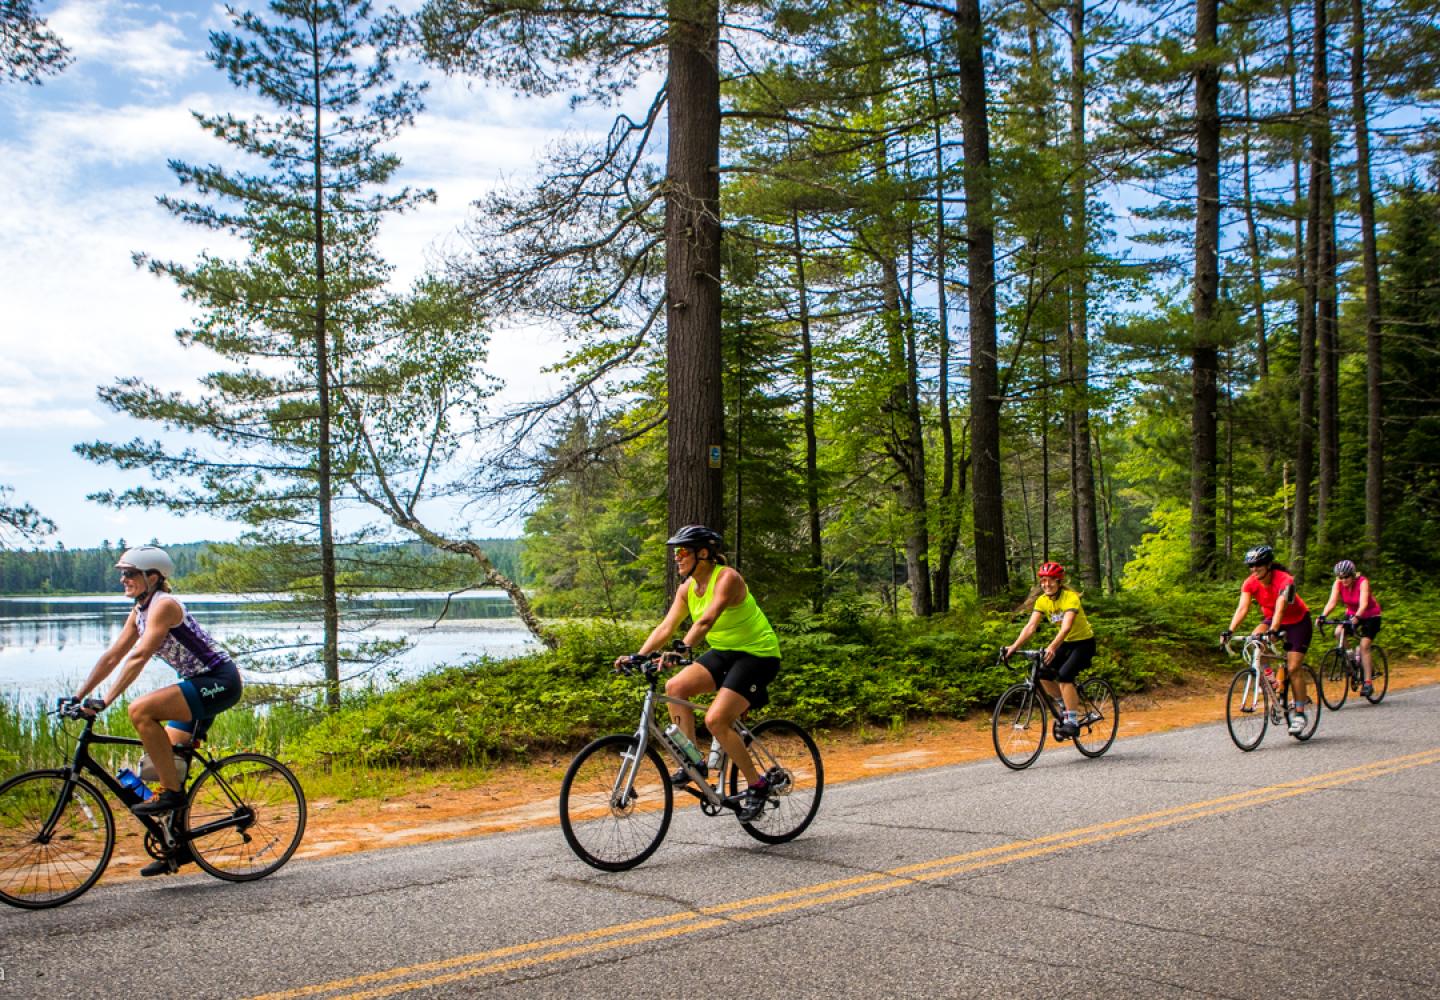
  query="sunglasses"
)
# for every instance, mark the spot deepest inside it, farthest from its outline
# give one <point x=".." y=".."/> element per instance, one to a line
<point x="130" y="574"/>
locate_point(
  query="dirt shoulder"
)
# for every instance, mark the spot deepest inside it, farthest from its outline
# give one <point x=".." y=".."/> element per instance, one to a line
<point x="516" y="797"/>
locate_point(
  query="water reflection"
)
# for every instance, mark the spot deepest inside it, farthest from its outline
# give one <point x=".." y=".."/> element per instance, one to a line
<point x="48" y="644"/>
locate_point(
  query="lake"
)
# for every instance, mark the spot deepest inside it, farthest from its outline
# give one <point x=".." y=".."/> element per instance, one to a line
<point x="49" y="644"/>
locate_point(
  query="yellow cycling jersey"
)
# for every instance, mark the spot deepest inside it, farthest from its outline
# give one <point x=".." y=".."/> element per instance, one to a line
<point x="1054" y="608"/>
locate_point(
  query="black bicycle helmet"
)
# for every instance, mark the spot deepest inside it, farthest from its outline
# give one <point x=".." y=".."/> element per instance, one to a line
<point x="1260" y="555"/>
<point x="697" y="536"/>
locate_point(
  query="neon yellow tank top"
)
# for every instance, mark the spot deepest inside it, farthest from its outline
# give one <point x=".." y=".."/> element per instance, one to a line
<point x="743" y="628"/>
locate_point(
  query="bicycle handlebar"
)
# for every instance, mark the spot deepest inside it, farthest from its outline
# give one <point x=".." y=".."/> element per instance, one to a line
<point x="69" y="708"/>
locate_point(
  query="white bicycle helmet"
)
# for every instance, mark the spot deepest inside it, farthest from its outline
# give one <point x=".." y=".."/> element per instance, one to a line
<point x="146" y="558"/>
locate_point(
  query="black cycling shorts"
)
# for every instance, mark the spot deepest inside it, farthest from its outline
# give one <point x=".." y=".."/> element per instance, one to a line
<point x="1070" y="659"/>
<point x="1297" y="635"/>
<point x="208" y="695"/>
<point x="1368" y="628"/>
<point x="746" y="674"/>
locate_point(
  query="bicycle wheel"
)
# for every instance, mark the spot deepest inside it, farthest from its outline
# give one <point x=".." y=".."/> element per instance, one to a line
<point x="56" y="836"/>
<point x="1380" y="677"/>
<point x="1099" y="717"/>
<point x="1246" y="711"/>
<point x="1018" y="727"/>
<point x="615" y="807"/>
<point x="1334" y="679"/>
<point x="245" y="817"/>
<point x="1312" y="716"/>
<point x="788" y="757"/>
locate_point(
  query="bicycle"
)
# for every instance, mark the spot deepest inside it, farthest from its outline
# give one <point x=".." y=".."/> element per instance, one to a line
<point x="1343" y="671"/>
<point x="243" y="819"/>
<point x="617" y="797"/>
<point x="1254" y="702"/>
<point x="1018" y="726"/>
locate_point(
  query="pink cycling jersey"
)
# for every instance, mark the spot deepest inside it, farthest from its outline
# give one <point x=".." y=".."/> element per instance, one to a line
<point x="1350" y="597"/>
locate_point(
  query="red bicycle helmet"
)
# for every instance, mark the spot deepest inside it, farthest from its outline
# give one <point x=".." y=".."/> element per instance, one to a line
<point x="1051" y="569"/>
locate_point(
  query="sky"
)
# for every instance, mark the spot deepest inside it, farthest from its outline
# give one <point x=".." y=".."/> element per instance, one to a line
<point x="82" y="160"/>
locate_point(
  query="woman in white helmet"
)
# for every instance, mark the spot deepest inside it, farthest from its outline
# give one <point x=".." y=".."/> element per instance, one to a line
<point x="209" y="680"/>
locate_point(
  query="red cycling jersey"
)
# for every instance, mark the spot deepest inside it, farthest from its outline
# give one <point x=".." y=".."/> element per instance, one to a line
<point x="1267" y="593"/>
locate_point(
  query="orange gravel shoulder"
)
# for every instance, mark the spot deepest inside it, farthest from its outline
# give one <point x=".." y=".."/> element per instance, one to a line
<point x="519" y="796"/>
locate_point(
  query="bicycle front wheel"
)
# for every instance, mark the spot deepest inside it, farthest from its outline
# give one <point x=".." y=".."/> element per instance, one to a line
<point x="615" y="805"/>
<point x="1018" y="727"/>
<point x="789" y="759"/>
<point x="56" y="836"/>
<point x="1312" y="717"/>
<point x="245" y="818"/>
<point x="1099" y="717"/>
<point x="1334" y="679"/>
<point x="1380" y="678"/>
<point x="1246" y="711"/>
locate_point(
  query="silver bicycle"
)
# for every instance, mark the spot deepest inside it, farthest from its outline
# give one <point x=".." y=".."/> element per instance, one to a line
<point x="617" y="797"/>
<point x="1256" y="700"/>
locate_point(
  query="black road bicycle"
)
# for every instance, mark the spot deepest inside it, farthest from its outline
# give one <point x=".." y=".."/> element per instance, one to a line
<point x="243" y="818"/>
<point x="1019" y="725"/>
<point x="617" y="797"/>
<point x="1342" y="671"/>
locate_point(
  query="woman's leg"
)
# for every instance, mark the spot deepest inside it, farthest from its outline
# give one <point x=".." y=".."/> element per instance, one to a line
<point x="694" y="680"/>
<point x="149" y="713"/>
<point x="720" y="720"/>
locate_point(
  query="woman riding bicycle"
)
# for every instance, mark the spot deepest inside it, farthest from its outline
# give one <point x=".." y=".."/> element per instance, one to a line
<point x="743" y="658"/>
<point x="1281" y="611"/>
<point x="1362" y="612"/>
<point x="1072" y="649"/>
<point x="209" y="680"/>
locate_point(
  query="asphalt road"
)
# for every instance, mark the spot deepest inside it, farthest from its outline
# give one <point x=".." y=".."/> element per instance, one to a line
<point x="1176" y="866"/>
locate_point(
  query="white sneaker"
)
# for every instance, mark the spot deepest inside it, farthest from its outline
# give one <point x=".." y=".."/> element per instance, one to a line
<point x="1297" y="722"/>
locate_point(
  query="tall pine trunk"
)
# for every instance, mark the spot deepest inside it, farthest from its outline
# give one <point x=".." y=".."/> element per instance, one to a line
<point x="991" y="570"/>
<point x="1083" y="471"/>
<point x="946" y="502"/>
<point x="1374" y="434"/>
<point x="696" y="421"/>
<point x="1205" y="357"/>
<point x="812" y="451"/>
<point x="1326" y="308"/>
<point x="329" y="602"/>
<point x="1305" y="324"/>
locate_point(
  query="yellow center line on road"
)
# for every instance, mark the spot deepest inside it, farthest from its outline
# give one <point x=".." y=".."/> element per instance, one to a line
<point x="580" y="944"/>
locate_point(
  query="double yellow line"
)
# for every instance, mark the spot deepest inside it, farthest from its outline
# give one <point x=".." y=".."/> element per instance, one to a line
<point x="569" y="946"/>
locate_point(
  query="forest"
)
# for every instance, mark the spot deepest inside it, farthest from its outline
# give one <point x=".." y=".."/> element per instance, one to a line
<point x="904" y="298"/>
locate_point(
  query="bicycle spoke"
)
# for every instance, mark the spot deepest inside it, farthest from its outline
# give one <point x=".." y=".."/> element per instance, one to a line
<point x="607" y="826"/>
<point x="36" y="874"/>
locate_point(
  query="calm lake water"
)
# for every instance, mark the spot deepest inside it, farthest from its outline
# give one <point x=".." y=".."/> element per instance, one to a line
<point x="47" y="645"/>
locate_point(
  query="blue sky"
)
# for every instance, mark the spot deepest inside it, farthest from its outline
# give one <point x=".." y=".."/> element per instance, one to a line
<point x="85" y="158"/>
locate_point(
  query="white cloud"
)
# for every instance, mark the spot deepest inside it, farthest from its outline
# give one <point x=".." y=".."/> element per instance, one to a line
<point x="112" y="35"/>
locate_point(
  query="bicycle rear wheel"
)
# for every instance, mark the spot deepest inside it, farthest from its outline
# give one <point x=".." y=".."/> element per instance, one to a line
<point x="1246" y="710"/>
<point x="1099" y="717"/>
<point x="1380" y="678"/>
<point x="614" y="806"/>
<point x="1312" y="717"/>
<point x="1334" y="678"/>
<point x="40" y="869"/>
<point x="245" y="817"/>
<point x="788" y="757"/>
<point x="1018" y="727"/>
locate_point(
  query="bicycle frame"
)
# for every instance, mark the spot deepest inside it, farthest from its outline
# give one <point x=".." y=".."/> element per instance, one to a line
<point x="1255" y="651"/>
<point x="161" y="828"/>
<point x="649" y="730"/>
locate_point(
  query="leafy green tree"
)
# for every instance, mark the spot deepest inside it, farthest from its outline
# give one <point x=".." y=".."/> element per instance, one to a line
<point x="21" y="523"/>
<point x="301" y="314"/>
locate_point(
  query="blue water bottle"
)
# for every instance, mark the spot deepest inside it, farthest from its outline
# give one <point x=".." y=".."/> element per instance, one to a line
<point x="135" y="789"/>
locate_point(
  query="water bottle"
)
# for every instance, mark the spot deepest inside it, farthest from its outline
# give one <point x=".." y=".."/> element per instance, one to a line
<point x="714" y="760"/>
<point x="682" y="743"/>
<point x="1270" y="674"/>
<point x="135" y="789"/>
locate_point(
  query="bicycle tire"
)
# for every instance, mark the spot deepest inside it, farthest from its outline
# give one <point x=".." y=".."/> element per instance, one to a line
<point x="1379" y="675"/>
<point x="788" y="756"/>
<point x="1334" y="678"/>
<point x="1097" y="697"/>
<point x="1247" y="710"/>
<point x="37" y="876"/>
<point x="605" y="835"/>
<point x="1312" y="718"/>
<point x="245" y="816"/>
<point x="1017" y="728"/>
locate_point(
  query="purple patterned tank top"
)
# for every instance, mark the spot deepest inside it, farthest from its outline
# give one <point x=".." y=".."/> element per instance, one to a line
<point x="188" y="648"/>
